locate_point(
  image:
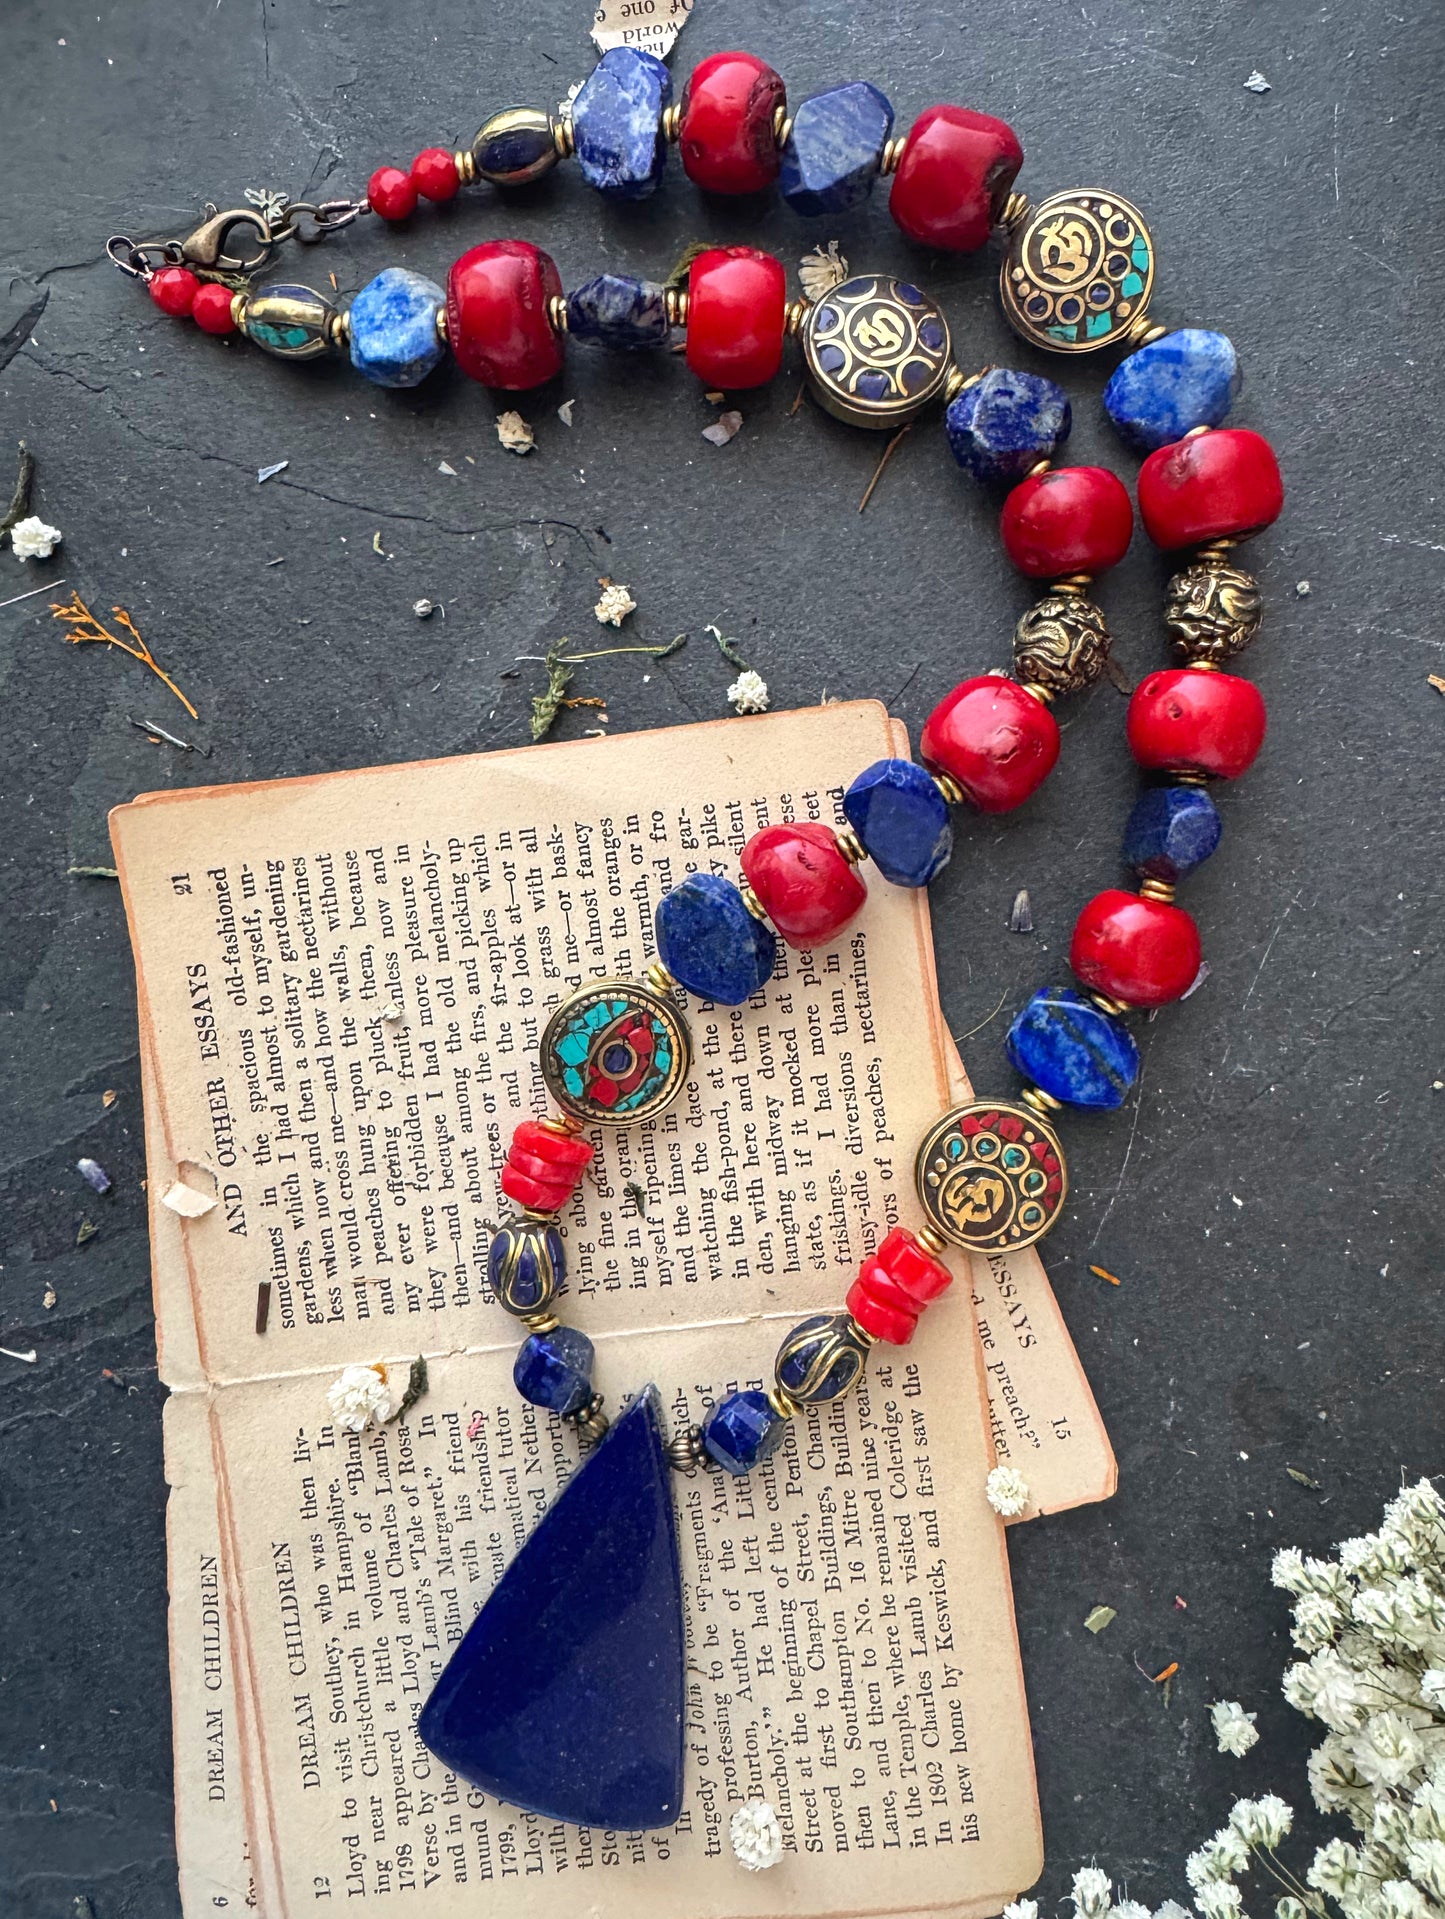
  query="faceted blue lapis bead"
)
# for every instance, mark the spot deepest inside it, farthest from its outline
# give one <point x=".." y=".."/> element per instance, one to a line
<point x="526" y="1265"/>
<point x="1073" y="1050"/>
<point x="1005" y="423"/>
<point x="897" y="811"/>
<point x="566" y="1695"/>
<point x="832" y="155"/>
<point x="555" y="1370"/>
<point x="743" y="1430"/>
<point x="616" y="311"/>
<point x="1187" y="379"/>
<point x="394" y="337"/>
<point x="821" y="1358"/>
<point x="617" y="123"/>
<point x="1171" y="830"/>
<point x="710" y="943"/>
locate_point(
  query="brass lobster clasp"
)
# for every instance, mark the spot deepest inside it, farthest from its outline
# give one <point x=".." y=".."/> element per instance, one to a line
<point x="210" y="245"/>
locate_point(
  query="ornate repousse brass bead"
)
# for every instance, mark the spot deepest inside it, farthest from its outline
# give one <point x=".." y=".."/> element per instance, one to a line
<point x="1062" y="642"/>
<point x="292" y="322"/>
<point x="685" y="1450"/>
<point x="1212" y="610"/>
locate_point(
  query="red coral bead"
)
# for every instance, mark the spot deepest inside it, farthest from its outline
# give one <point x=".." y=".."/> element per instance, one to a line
<point x="905" y="1258"/>
<point x="953" y="177"/>
<point x="497" y="319"/>
<point x="1187" y="720"/>
<point x="997" y="740"/>
<point x="893" y="1286"/>
<point x="886" y="1321"/>
<point x="174" y="290"/>
<point x="1072" y="519"/>
<point x="736" y="316"/>
<point x="392" y="193"/>
<point x="1210" y="486"/>
<point x="802" y="881"/>
<point x="725" y="134"/>
<point x="543" y="1167"/>
<point x="434" y="174"/>
<point x="211" y="309"/>
<point x="1144" y="952"/>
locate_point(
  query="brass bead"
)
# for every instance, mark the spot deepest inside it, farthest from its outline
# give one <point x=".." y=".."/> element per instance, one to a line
<point x="514" y="120"/>
<point x="949" y="787"/>
<point x="892" y="153"/>
<point x="658" y="977"/>
<point x="590" y="1420"/>
<point x="1195" y="431"/>
<point x="238" y="311"/>
<point x="466" y="167"/>
<point x="850" y="846"/>
<point x="795" y="316"/>
<point x="675" y="305"/>
<point x="339" y="331"/>
<point x="959" y="382"/>
<point x="442" y="333"/>
<point x="782" y="125"/>
<point x="751" y="901"/>
<point x="1187" y="776"/>
<point x="1015" y="211"/>
<point x="1043" y="694"/>
<point x="1107" y="1005"/>
<point x="557" y="312"/>
<point x="930" y="1237"/>
<point x="685" y="1451"/>
<point x="567" y="1124"/>
<point x="1212" y="610"/>
<point x="1162" y="890"/>
<point x="292" y="322"/>
<point x="1141" y="331"/>
<point x="1040" y="466"/>
<point x="671" y="125"/>
<point x="782" y="1402"/>
<point x="1042" y="1103"/>
<point x="1061" y="644"/>
<point x="540" y="1322"/>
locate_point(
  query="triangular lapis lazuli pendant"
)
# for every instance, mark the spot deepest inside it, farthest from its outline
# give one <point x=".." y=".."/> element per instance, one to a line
<point x="566" y="1695"/>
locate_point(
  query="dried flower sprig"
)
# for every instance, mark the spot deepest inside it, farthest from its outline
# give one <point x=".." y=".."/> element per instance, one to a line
<point x="85" y="627"/>
<point x="549" y="702"/>
<point x="24" y="483"/>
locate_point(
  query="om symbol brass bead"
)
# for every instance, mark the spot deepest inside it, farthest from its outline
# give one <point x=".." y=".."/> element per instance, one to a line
<point x="1061" y="643"/>
<point x="1211" y="611"/>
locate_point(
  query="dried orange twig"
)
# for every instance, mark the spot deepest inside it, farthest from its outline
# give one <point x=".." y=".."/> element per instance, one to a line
<point x="84" y="627"/>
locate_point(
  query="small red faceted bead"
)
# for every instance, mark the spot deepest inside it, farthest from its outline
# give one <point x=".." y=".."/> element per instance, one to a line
<point x="1218" y="485"/>
<point x="1072" y="519"/>
<point x="211" y="308"/>
<point x="392" y="193"/>
<point x="434" y="174"/>
<point x="997" y="740"/>
<point x="543" y="1167"/>
<point x="1186" y="720"/>
<point x="953" y="177"/>
<point x="497" y="320"/>
<point x="802" y="881"/>
<point x="174" y="290"/>
<point x="1142" y="951"/>
<point x="737" y="302"/>
<point x="725" y="131"/>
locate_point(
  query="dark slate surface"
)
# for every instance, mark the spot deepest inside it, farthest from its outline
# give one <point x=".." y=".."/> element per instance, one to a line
<point x="1265" y="1200"/>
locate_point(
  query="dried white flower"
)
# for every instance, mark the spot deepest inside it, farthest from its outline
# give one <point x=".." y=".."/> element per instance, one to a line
<point x="1130" y="1909"/>
<point x="1432" y="1688"/>
<point x="1387" y="1750"/>
<point x="1092" y="1892"/>
<point x="514" y="433"/>
<point x="1290" y="1908"/>
<point x="1007" y="1491"/>
<point x="1334" y="1780"/>
<point x="32" y="539"/>
<point x="1316" y="1621"/>
<point x="1218" y="1858"/>
<point x="822" y="270"/>
<point x="360" y="1396"/>
<point x="749" y="693"/>
<point x="1021" y="1909"/>
<point x="1287" y="1569"/>
<point x="1233" y="1727"/>
<point x="1426" y="1860"/>
<point x="1335" y="1868"/>
<point x="1219" y="1900"/>
<point x="1327" y="1689"/>
<point x="615" y="605"/>
<point x="1403" y="1900"/>
<point x="1256" y="83"/>
<point x="756" y="1835"/>
<point x="1263" y="1821"/>
<point x="1171" y="1909"/>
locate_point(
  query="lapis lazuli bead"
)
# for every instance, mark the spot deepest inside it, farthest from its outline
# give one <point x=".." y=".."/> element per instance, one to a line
<point x="1005" y="423"/>
<point x="832" y="155"/>
<point x="743" y="1430"/>
<point x="710" y="943"/>
<point x="566" y="1696"/>
<point x="897" y="811"/>
<point x="617" y="123"/>
<point x="1074" y="1050"/>
<point x="1165" y="390"/>
<point x="394" y="337"/>
<point x="616" y="311"/>
<point x="1171" y="830"/>
<point x="555" y="1370"/>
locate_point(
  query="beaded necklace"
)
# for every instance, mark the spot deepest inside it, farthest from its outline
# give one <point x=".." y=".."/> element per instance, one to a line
<point x="991" y="1176"/>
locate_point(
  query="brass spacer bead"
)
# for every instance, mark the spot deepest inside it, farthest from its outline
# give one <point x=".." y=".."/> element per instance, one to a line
<point x="795" y="316"/>
<point x="671" y="127"/>
<point x="659" y="979"/>
<point x="466" y="167"/>
<point x="892" y="153"/>
<point x="1077" y="583"/>
<point x="238" y="311"/>
<point x="567" y="1124"/>
<point x="557" y="312"/>
<point x="685" y="1451"/>
<point x="1195" y="431"/>
<point x="860" y="1335"/>
<point x="1044" y="694"/>
<point x="1216" y="552"/>
<point x="751" y="901"/>
<point x="542" y="1322"/>
<point x="591" y="1422"/>
<point x="929" y="1236"/>
<point x="442" y="333"/>
<point x="1107" y="1005"/>
<point x="1015" y="211"/>
<point x="1162" y="890"/>
<point x="338" y="330"/>
<point x="1044" y="1104"/>
<point x="959" y="382"/>
<point x="1188" y="776"/>
<point x="850" y="846"/>
<point x="949" y="787"/>
<point x="675" y="304"/>
<point x="1040" y="466"/>
<point x="783" y="1403"/>
<point x="1203" y="666"/>
<point x="562" y="139"/>
<point x="782" y="124"/>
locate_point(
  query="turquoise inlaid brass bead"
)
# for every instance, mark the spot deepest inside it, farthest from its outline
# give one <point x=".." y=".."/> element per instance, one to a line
<point x="822" y="1358"/>
<point x="293" y="322"/>
<point x="1079" y="272"/>
<point x="526" y="1265"/>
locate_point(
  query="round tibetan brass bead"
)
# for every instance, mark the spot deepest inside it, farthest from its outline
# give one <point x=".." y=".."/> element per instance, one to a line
<point x="526" y="1266"/>
<point x="1212" y="611"/>
<point x="1061" y="643"/>
<point x="293" y="322"/>
<point x="822" y="1358"/>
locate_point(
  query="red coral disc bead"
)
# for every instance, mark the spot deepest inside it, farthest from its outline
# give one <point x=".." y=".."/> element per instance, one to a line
<point x="878" y="1314"/>
<point x="211" y="309"/>
<point x="1144" y="952"/>
<point x="1186" y="720"/>
<point x="1072" y="519"/>
<point x="434" y="174"/>
<point x="725" y="133"/>
<point x="174" y="290"/>
<point x="997" y="740"/>
<point x="543" y="1167"/>
<point x="906" y="1260"/>
<point x="392" y="193"/>
<point x="1210" y="486"/>
<point x="953" y="177"/>
<point x="894" y="1285"/>
<point x="802" y="881"/>
<point x="737" y="302"/>
<point x="497" y="318"/>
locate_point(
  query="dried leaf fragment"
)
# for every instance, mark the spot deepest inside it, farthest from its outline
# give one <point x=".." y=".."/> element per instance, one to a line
<point x="1100" y="1617"/>
<point x="109" y="1096"/>
<point x="514" y="433"/>
<point x="1303" y="1479"/>
<point x="85" y="627"/>
<point x="564" y="412"/>
<point x="725" y="427"/>
<point x="264" y="473"/>
<point x="1021" y="914"/>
